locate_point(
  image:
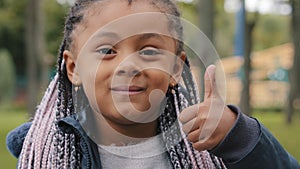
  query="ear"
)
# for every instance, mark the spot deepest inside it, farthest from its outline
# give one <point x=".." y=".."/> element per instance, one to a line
<point x="177" y="69"/>
<point x="70" y="62"/>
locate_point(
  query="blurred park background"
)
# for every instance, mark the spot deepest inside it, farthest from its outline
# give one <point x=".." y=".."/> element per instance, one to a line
<point x="258" y="42"/>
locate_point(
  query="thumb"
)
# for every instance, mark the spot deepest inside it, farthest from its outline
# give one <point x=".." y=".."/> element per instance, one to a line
<point x="209" y="81"/>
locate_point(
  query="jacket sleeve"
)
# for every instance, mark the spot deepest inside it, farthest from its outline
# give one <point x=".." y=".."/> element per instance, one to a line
<point x="250" y="145"/>
<point x="15" y="139"/>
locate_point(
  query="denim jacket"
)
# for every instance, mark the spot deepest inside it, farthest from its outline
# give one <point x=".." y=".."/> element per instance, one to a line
<point x="90" y="155"/>
<point x="248" y="145"/>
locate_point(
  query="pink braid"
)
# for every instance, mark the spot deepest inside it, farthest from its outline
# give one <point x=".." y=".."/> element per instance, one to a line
<point x="32" y="148"/>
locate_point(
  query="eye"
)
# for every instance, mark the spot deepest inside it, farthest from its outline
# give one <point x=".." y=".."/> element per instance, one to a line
<point x="150" y="51"/>
<point x="106" y="51"/>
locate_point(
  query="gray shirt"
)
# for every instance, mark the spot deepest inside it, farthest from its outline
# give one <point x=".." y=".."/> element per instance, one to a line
<point x="147" y="154"/>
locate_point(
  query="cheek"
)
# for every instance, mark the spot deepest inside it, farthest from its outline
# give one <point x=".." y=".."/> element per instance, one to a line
<point x="160" y="80"/>
<point x="88" y="77"/>
<point x="101" y="81"/>
<point x="101" y="78"/>
<point x="95" y="84"/>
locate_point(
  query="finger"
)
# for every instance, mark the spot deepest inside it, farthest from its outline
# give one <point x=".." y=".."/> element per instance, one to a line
<point x="204" y="145"/>
<point x="190" y="126"/>
<point x="194" y="135"/>
<point x="209" y="81"/>
<point x="188" y="114"/>
<point x="200" y="134"/>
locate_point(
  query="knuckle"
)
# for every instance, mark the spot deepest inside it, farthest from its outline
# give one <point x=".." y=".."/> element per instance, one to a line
<point x="191" y="138"/>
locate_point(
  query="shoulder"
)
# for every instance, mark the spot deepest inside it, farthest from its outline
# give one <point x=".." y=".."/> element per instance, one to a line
<point x="15" y="139"/>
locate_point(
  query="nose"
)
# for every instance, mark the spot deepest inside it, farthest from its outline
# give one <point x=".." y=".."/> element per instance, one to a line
<point x="128" y="68"/>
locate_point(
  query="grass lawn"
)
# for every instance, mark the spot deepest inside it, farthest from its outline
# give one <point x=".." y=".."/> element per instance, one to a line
<point x="288" y="135"/>
<point x="9" y="119"/>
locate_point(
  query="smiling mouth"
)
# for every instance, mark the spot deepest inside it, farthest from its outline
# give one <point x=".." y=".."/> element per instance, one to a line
<point x="127" y="90"/>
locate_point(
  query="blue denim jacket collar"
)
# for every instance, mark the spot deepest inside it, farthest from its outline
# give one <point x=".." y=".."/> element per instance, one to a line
<point x="90" y="154"/>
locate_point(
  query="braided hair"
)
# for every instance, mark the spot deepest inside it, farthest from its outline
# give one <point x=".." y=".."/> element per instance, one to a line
<point x="46" y="146"/>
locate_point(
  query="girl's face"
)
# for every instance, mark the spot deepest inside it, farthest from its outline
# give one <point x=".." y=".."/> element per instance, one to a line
<point x="124" y="58"/>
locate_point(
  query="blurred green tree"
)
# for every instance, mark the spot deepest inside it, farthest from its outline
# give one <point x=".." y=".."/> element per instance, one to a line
<point x="7" y="77"/>
<point x="12" y="37"/>
<point x="12" y="32"/>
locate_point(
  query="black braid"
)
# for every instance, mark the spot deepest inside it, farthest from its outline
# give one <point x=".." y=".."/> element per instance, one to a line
<point x="65" y="106"/>
<point x="189" y="83"/>
<point x="171" y="132"/>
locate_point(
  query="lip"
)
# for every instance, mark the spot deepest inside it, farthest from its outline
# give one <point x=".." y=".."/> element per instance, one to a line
<point x="128" y="90"/>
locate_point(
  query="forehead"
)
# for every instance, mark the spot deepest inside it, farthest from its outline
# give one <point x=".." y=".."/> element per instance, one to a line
<point x="118" y="16"/>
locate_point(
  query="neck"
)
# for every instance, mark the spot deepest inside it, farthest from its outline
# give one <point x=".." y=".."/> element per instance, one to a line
<point x="123" y="134"/>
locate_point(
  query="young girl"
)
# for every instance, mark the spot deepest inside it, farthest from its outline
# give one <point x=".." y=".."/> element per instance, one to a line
<point x="116" y="100"/>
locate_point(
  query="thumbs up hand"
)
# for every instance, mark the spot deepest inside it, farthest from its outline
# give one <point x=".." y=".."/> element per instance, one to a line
<point x="206" y="124"/>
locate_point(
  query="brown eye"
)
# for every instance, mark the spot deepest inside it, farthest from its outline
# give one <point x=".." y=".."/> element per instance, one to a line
<point x="150" y="52"/>
<point x="106" y="51"/>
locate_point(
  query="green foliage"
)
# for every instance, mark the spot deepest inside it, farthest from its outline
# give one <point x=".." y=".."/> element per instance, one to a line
<point x="12" y="14"/>
<point x="12" y="29"/>
<point x="224" y="25"/>
<point x="54" y="20"/>
<point x="189" y="12"/>
<point x="7" y="76"/>
<point x="224" y="31"/>
<point x="271" y="30"/>
<point x="12" y="20"/>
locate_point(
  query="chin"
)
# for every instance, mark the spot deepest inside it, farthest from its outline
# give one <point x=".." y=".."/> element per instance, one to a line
<point x="130" y="116"/>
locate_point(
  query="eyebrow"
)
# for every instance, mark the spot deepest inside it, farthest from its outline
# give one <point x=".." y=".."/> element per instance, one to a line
<point x="141" y="37"/>
<point x="149" y="36"/>
<point x="107" y="34"/>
